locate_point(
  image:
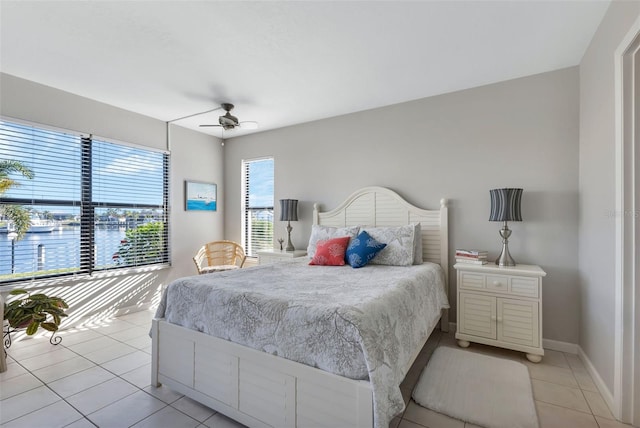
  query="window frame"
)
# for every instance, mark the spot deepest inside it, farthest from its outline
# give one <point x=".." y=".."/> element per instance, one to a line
<point x="246" y="241"/>
<point x="86" y="266"/>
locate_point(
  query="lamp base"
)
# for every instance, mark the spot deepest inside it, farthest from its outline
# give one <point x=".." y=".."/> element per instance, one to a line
<point x="290" y="247"/>
<point x="505" y="259"/>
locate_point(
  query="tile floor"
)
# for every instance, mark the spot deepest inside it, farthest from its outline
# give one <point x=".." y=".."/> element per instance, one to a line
<point x="100" y="376"/>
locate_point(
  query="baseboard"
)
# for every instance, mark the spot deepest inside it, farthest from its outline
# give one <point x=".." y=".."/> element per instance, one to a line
<point x="556" y="345"/>
<point x="607" y="396"/>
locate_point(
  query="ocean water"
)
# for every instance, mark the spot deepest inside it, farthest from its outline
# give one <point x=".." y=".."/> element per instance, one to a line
<point x="198" y="204"/>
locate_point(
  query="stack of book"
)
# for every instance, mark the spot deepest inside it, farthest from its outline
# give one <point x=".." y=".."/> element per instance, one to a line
<point x="476" y="257"/>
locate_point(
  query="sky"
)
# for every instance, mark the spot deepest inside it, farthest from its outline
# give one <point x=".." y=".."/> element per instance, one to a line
<point x="261" y="184"/>
<point x="114" y="167"/>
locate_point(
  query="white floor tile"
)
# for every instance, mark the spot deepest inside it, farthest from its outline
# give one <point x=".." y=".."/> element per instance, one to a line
<point x="192" y="408"/>
<point x="76" y="336"/>
<point x="555" y="358"/>
<point x="597" y="404"/>
<point x="113" y="326"/>
<point x="169" y="418"/>
<point x="58" y="414"/>
<point x="81" y="423"/>
<point x="99" y="396"/>
<point x="25" y="403"/>
<point x="130" y="333"/>
<point x="13" y="369"/>
<point x="80" y="381"/>
<point x="140" y="377"/>
<point x="93" y="345"/>
<point x="551" y="416"/>
<point x="221" y="421"/>
<point x="559" y="395"/>
<point x="127" y="411"/>
<point x="553" y="374"/>
<point x="127" y="362"/>
<point x="63" y="369"/>
<point x="140" y="342"/>
<point x="47" y="358"/>
<point x="30" y="348"/>
<point x="163" y="393"/>
<point x="110" y="353"/>
<point x="18" y="385"/>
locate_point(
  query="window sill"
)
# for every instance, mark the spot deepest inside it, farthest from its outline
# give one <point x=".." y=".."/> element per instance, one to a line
<point x="72" y="280"/>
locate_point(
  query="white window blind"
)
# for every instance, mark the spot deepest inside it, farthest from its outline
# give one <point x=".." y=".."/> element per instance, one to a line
<point x="91" y="205"/>
<point x="257" y="205"/>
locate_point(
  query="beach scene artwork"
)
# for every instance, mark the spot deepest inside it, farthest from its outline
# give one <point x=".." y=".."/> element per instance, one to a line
<point x="200" y="196"/>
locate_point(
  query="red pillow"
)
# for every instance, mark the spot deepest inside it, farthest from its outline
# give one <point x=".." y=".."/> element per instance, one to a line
<point x="331" y="252"/>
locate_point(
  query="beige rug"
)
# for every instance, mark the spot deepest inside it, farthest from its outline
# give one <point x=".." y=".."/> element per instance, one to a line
<point x="487" y="391"/>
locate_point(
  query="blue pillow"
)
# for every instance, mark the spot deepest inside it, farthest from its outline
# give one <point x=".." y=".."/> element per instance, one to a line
<point x="362" y="249"/>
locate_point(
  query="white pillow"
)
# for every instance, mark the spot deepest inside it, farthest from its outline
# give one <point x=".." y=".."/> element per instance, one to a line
<point x="400" y="246"/>
<point x="322" y="233"/>
<point x="417" y="244"/>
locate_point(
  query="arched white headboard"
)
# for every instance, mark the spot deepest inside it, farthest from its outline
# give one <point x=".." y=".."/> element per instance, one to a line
<point x="379" y="206"/>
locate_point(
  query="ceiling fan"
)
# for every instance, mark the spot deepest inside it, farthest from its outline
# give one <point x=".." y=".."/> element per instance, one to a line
<point x="228" y="121"/>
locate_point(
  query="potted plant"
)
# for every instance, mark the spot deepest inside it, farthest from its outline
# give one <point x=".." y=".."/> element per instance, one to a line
<point x="32" y="311"/>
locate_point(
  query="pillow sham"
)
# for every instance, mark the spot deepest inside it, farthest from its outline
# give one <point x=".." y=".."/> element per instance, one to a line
<point x="417" y="244"/>
<point x="400" y="246"/>
<point x="362" y="249"/>
<point x="322" y="233"/>
<point x="331" y="252"/>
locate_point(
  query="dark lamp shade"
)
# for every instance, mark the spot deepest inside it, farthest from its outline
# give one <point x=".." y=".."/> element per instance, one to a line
<point x="288" y="210"/>
<point x="505" y="205"/>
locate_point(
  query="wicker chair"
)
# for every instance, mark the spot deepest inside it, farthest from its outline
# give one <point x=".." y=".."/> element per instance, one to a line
<point x="219" y="256"/>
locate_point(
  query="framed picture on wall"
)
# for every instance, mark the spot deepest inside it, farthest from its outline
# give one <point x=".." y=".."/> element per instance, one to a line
<point x="199" y="196"/>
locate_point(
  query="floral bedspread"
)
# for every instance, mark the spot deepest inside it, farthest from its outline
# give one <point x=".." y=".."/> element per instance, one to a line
<point x="362" y="323"/>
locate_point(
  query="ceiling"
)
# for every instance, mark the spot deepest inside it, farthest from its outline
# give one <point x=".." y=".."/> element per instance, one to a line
<point x="283" y="63"/>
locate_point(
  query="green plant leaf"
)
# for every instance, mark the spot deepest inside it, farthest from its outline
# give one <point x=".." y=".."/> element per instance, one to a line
<point x="56" y="318"/>
<point x="49" y="326"/>
<point x="33" y="327"/>
<point x="39" y="296"/>
<point x="18" y="291"/>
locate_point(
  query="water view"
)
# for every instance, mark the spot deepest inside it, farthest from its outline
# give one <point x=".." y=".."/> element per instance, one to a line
<point x="57" y="249"/>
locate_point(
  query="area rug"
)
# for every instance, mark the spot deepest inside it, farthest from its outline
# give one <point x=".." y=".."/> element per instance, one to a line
<point x="480" y="389"/>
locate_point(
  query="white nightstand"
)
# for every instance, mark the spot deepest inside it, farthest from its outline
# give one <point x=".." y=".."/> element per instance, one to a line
<point x="267" y="257"/>
<point x="501" y="306"/>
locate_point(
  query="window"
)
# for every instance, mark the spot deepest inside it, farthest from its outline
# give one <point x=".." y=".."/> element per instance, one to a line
<point x="257" y="205"/>
<point x="90" y="205"/>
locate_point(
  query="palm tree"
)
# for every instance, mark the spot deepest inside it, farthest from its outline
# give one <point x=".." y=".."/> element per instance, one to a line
<point x="15" y="213"/>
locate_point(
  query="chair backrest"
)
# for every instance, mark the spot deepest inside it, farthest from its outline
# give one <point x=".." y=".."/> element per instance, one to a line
<point x="219" y="255"/>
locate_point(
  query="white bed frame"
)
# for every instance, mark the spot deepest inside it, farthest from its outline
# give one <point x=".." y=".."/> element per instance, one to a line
<point x="262" y="390"/>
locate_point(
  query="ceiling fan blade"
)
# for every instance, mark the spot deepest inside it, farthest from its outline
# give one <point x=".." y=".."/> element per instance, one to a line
<point x="205" y="126"/>
<point x="249" y="124"/>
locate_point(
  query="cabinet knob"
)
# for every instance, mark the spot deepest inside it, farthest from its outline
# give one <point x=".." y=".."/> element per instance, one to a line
<point x="497" y="283"/>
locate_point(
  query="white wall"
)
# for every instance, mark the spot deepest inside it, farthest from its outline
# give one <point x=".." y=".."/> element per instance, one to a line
<point x="193" y="156"/>
<point x="597" y="189"/>
<point x="519" y="133"/>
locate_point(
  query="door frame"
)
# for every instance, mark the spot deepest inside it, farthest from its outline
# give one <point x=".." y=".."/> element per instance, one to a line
<point x="626" y="394"/>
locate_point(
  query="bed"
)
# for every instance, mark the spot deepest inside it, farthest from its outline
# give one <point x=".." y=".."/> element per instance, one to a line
<point x="274" y="386"/>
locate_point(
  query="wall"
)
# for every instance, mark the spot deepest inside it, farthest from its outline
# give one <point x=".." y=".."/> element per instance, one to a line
<point x="193" y="155"/>
<point x="597" y="189"/>
<point x="518" y="133"/>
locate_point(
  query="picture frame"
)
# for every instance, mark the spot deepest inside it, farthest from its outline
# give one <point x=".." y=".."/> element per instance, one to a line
<point x="200" y="196"/>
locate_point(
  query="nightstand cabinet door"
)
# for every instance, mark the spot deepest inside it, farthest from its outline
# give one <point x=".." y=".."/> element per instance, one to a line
<point x="518" y="322"/>
<point x="477" y="315"/>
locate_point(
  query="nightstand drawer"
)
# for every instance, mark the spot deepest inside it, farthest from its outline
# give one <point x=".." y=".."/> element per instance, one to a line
<point x="522" y="286"/>
<point x="498" y="283"/>
<point x="471" y="281"/>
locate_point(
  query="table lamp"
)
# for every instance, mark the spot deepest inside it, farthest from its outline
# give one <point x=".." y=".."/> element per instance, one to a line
<point x="505" y="206"/>
<point x="289" y="213"/>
